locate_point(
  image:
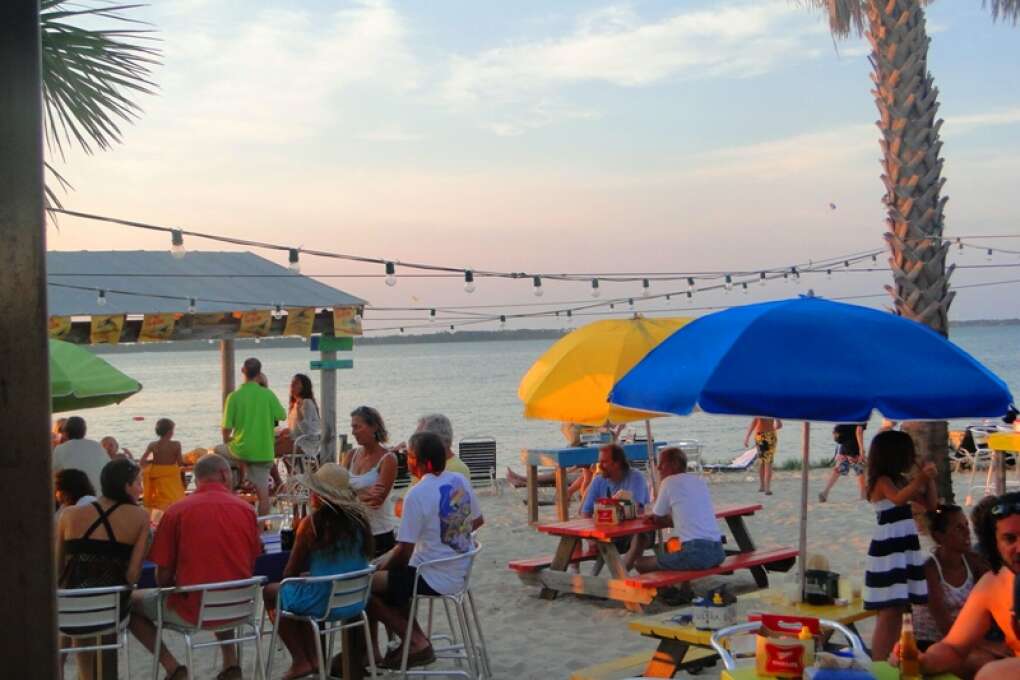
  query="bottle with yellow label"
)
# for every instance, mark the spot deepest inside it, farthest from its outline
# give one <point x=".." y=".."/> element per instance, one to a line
<point x="910" y="655"/>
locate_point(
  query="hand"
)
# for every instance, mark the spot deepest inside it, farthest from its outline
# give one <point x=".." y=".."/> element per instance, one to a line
<point x="929" y="470"/>
<point x="894" y="656"/>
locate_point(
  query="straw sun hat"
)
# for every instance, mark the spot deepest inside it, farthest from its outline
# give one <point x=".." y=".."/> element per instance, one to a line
<point x="332" y="483"/>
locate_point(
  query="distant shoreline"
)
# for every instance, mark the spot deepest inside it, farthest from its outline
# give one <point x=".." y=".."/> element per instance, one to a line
<point x="432" y="338"/>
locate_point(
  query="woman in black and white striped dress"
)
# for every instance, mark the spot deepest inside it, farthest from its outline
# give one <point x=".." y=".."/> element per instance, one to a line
<point x="895" y="577"/>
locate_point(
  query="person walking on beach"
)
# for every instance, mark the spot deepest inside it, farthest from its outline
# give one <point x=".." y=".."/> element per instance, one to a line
<point x="895" y="577"/>
<point x="767" y="440"/>
<point x="249" y="416"/>
<point x="849" y="456"/>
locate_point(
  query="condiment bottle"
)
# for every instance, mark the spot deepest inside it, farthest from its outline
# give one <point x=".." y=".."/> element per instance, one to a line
<point x="910" y="656"/>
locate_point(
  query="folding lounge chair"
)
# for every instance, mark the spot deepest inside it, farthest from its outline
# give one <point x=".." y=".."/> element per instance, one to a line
<point x="741" y="463"/>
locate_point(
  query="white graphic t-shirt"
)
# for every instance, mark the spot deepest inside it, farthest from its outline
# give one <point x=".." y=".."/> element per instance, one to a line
<point x="438" y="512"/>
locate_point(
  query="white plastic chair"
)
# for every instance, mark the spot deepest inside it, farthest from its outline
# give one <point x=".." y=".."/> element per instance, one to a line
<point x="229" y="605"/>
<point x="719" y="637"/>
<point x="347" y="590"/>
<point x="470" y="650"/>
<point x="85" y="609"/>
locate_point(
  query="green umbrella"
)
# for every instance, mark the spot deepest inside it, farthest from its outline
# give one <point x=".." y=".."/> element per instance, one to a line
<point x="80" y="379"/>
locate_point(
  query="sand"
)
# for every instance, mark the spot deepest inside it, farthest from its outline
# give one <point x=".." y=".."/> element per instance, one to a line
<point x="533" y="638"/>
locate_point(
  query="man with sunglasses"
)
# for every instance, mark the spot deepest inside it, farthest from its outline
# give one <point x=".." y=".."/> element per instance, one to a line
<point x="996" y="597"/>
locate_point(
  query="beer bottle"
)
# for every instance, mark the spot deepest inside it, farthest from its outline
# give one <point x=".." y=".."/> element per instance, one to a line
<point x="910" y="656"/>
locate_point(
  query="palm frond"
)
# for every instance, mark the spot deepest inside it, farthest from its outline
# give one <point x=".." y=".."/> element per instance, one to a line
<point x="90" y="73"/>
<point x="846" y="17"/>
<point x="1007" y="10"/>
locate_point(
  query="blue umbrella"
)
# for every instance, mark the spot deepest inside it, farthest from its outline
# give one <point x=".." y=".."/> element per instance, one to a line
<point x="811" y="359"/>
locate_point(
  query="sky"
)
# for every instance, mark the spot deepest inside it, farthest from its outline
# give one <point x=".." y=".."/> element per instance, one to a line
<point x="548" y="137"/>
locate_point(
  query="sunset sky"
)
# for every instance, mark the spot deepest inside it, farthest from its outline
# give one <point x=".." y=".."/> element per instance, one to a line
<point x="547" y="137"/>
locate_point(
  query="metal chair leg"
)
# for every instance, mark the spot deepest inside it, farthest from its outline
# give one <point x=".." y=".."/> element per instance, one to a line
<point x="190" y="657"/>
<point x="481" y="638"/>
<point x="272" y="644"/>
<point x="323" y="671"/>
<point x="407" y="637"/>
<point x="369" y="647"/>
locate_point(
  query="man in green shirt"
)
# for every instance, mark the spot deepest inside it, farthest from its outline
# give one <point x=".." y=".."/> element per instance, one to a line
<point x="249" y="416"/>
<point x="440" y="425"/>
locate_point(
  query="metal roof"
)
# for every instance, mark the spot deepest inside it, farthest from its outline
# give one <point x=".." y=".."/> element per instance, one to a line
<point x="141" y="282"/>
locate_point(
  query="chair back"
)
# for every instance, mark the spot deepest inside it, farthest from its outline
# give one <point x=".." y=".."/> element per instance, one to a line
<point x="403" y="478"/>
<point x="719" y="638"/>
<point x="227" y="601"/>
<point x="89" y="611"/>
<point x="479" y="455"/>
<point x="468" y="558"/>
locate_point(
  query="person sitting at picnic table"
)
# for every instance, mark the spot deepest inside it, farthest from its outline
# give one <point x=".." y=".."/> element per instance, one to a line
<point x="249" y="416"/>
<point x="335" y="539"/>
<point x="991" y="600"/>
<point x="79" y="453"/>
<point x="615" y="476"/>
<point x="209" y="537"/>
<point x="440" y="514"/>
<point x="163" y="469"/>
<point x="102" y="544"/>
<point x="685" y="504"/>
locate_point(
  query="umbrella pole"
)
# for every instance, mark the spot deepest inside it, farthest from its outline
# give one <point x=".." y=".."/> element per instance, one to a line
<point x="804" y="469"/>
<point x="653" y="473"/>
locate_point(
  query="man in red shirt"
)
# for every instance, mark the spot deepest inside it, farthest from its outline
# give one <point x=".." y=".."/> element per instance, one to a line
<point x="208" y="537"/>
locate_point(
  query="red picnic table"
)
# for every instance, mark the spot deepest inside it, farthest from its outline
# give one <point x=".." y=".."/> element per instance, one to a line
<point x="635" y="591"/>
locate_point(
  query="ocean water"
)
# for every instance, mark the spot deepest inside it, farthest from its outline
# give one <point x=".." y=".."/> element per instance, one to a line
<point x="474" y="383"/>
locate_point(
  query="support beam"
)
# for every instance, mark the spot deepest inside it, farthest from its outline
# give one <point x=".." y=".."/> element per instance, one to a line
<point x="228" y="373"/>
<point x="328" y="397"/>
<point x="28" y="646"/>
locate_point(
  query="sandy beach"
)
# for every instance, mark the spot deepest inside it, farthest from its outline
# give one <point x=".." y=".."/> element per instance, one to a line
<point x="533" y="638"/>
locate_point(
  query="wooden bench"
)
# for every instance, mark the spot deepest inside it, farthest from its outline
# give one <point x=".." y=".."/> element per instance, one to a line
<point x="528" y="569"/>
<point x="631" y="666"/>
<point x="775" y="557"/>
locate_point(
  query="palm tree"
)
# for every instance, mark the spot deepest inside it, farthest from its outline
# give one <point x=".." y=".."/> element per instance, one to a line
<point x="907" y="101"/>
<point x="89" y="74"/>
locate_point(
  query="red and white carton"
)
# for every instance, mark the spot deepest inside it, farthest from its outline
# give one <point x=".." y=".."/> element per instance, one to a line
<point x="779" y="653"/>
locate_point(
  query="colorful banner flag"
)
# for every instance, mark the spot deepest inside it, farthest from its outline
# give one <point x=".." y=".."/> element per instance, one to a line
<point x="106" y="329"/>
<point x="255" y="323"/>
<point x="157" y="327"/>
<point x="347" y="320"/>
<point x="59" y="326"/>
<point x="300" y="321"/>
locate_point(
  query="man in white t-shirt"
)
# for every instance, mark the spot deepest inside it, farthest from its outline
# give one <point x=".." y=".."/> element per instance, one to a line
<point x="439" y="516"/>
<point x="685" y="504"/>
<point x="79" y="453"/>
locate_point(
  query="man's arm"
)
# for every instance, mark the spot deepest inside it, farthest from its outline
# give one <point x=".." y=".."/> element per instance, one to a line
<point x="398" y="557"/>
<point x="165" y="576"/>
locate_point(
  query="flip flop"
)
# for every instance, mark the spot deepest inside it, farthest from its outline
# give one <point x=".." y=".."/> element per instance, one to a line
<point x="230" y="673"/>
<point x="422" y="657"/>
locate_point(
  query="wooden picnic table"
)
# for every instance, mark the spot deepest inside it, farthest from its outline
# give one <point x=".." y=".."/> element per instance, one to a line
<point x="678" y="642"/>
<point x="632" y="591"/>
<point x="561" y="459"/>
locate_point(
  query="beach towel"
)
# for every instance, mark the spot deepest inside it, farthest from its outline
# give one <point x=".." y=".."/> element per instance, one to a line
<point x="162" y="486"/>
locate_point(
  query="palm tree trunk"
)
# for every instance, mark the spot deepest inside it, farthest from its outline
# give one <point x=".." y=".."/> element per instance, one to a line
<point x="28" y="646"/>
<point x="907" y="101"/>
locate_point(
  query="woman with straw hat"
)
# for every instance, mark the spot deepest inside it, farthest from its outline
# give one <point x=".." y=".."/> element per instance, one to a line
<point x="336" y="538"/>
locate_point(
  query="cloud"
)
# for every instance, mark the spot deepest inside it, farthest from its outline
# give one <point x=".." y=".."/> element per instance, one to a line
<point x="975" y="121"/>
<point x="616" y="46"/>
<point x="392" y="133"/>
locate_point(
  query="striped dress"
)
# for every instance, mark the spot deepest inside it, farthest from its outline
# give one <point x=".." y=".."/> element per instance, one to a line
<point x="895" y="572"/>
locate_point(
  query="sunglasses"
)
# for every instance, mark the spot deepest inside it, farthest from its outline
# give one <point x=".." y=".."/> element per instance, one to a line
<point x="1001" y="510"/>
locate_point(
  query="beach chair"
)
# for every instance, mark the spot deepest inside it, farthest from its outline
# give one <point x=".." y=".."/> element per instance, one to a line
<point x="229" y="605"/>
<point x="741" y="463"/>
<point x="91" y="614"/>
<point x="479" y="454"/>
<point x="403" y="478"/>
<point x="348" y="590"/>
<point x="470" y="647"/>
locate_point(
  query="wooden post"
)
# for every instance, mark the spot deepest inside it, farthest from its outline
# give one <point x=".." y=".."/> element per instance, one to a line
<point x="327" y="393"/>
<point x="653" y="472"/>
<point x="228" y="374"/>
<point x="805" y="470"/>
<point x="28" y="646"/>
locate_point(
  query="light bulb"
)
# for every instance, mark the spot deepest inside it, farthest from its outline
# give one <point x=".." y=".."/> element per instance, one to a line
<point x="401" y="329"/>
<point x="595" y="292"/>
<point x="959" y="243"/>
<point x="988" y="255"/>
<point x="258" y="341"/>
<point x="796" y="275"/>
<point x="177" y="243"/>
<point x="690" y="286"/>
<point x="828" y="273"/>
<point x="101" y="298"/>
<point x="292" y="258"/>
<point x="743" y="287"/>
<point x="451" y="329"/>
<point x="728" y="285"/>
<point x="391" y="274"/>
<point x="644" y="287"/>
<point x="277" y="311"/>
<point x="191" y="305"/>
<point x="432" y="315"/>
<point x="874" y="259"/>
<point x="690" y="295"/>
<point x="502" y="321"/>
<point x="570" y="318"/>
<point x="537" y="282"/>
<point x="846" y="263"/>
<point x="761" y="279"/>
<point x="469" y="281"/>
<point x="630" y="301"/>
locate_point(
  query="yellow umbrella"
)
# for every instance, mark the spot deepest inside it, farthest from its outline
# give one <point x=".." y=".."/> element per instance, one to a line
<point x="572" y="380"/>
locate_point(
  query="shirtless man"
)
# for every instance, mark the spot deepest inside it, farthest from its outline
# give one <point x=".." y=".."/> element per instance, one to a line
<point x="767" y="440"/>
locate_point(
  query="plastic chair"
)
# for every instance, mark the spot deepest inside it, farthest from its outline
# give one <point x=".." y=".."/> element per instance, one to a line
<point x="229" y="605"/>
<point x="348" y="589"/>
<point x="80" y="611"/>
<point x="298" y="462"/>
<point x="479" y="454"/>
<point x="720" y="636"/>
<point x="463" y="603"/>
